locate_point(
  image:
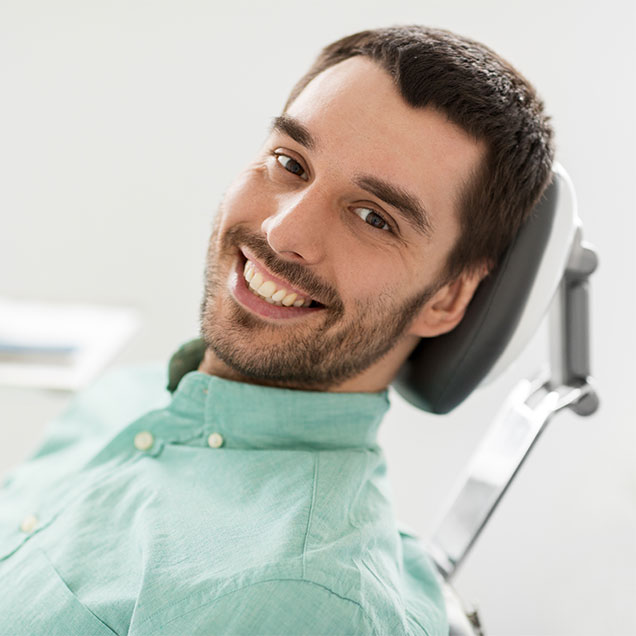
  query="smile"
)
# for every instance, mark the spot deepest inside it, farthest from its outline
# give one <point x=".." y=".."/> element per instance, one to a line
<point x="265" y="294"/>
<point x="271" y="291"/>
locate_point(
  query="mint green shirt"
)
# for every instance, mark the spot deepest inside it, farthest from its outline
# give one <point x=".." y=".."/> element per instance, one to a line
<point x="228" y="508"/>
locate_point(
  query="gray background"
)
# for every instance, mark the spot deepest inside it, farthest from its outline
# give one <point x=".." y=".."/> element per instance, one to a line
<point x="122" y="124"/>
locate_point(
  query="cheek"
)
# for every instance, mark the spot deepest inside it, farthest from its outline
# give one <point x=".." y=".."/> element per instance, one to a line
<point x="363" y="280"/>
<point x="247" y="198"/>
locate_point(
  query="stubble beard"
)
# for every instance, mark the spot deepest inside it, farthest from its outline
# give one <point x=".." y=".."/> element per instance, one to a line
<point x="296" y="356"/>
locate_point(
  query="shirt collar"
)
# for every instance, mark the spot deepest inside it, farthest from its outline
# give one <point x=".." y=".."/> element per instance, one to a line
<point x="254" y="416"/>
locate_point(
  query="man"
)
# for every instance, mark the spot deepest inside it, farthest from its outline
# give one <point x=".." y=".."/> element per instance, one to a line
<point x="256" y="501"/>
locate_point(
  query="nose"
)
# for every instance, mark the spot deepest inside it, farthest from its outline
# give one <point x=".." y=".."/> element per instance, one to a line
<point x="298" y="227"/>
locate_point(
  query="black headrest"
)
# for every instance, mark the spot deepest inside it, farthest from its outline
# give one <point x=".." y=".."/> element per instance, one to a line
<point x="443" y="371"/>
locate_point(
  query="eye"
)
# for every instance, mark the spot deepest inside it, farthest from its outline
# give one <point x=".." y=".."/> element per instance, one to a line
<point x="372" y="218"/>
<point x="291" y="165"/>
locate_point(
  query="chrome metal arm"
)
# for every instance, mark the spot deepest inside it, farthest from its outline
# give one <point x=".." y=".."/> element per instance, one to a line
<point x="524" y="417"/>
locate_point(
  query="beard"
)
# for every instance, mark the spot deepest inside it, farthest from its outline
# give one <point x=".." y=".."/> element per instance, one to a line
<point x="297" y="355"/>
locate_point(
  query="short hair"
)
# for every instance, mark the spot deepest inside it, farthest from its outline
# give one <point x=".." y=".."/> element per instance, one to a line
<point x="484" y="95"/>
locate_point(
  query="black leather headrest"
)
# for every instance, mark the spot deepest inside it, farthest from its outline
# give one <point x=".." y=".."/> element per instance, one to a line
<point x="443" y="371"/>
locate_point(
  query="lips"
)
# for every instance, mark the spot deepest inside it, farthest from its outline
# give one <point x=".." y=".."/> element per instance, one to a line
<point x="277" y="283"/>
<point x="246" y="297"/>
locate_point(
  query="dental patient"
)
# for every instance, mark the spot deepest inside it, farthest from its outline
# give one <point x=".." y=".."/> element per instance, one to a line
<point x="251" y="496"/>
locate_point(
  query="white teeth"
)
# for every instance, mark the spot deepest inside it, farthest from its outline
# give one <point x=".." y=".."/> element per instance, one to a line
<point x="267" y="289"/>
<point x="257" y="281"/>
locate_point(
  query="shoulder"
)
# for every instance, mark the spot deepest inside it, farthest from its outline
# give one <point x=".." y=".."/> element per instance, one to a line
<point x="127" y="391"/>
<point x="93" y="416"/>
<point x="115" y="399"/>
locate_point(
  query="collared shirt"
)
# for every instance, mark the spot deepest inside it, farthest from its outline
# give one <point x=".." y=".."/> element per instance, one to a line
<point x="228" y="508"/>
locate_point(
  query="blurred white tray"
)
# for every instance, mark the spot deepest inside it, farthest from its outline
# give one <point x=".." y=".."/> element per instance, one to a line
<point x="59" y="345"/>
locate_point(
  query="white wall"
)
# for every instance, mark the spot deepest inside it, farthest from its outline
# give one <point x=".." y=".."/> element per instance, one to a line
<point x="123" y="122"/>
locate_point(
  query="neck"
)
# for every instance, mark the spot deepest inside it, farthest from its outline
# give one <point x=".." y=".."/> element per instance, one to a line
<point x="376" y="378"/>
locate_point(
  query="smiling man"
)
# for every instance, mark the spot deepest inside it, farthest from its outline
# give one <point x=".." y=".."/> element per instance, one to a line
<point x="256" y="500"/>
<point x="330" y="249"/>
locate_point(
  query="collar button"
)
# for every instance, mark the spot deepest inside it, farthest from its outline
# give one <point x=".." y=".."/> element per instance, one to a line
<point x="144" y="440"/>
<point x="215" y="440"/>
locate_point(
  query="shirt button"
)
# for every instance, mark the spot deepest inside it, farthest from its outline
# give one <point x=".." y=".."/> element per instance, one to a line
<point x="29" y="523"/>
<point x="144" y="440"/>
<point x="215" y="440"/>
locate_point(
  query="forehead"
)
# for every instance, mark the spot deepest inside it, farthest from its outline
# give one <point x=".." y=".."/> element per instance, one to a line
<point x="362" y="124"/>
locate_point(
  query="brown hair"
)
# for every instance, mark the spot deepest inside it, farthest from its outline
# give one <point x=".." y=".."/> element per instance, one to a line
<point x="489" y="99"/>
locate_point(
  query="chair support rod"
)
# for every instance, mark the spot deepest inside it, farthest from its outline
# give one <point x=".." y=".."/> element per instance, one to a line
<point x="494" y="466"/>
<point x="524" y="416"/>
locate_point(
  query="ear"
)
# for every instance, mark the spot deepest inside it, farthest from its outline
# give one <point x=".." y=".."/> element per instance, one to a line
<point x="445" y="310"/>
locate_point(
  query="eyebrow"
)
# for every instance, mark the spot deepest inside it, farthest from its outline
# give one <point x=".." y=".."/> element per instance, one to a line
<point x="294" y="129"/>
<point x="407" y="204"/>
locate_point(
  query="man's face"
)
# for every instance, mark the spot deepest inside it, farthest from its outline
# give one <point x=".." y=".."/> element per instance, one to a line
<point x="351" y="204"/>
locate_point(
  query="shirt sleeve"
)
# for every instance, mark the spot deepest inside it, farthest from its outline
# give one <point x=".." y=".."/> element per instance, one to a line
<point x="272" y="608"/>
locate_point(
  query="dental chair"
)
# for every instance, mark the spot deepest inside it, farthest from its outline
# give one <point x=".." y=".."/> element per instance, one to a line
<point x="544" y="271"/>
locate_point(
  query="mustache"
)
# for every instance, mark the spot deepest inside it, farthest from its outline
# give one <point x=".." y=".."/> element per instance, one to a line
<point x="296" y="274"/>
